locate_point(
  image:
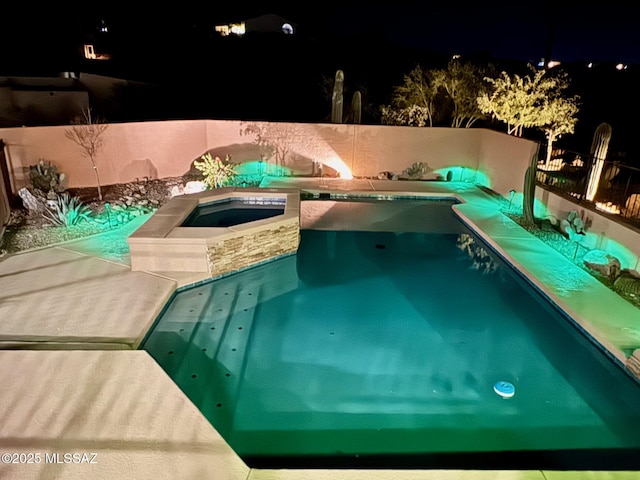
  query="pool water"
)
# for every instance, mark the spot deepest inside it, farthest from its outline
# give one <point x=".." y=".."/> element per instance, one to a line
<point x="232" y="212"/>
<point x="383" y="350"/>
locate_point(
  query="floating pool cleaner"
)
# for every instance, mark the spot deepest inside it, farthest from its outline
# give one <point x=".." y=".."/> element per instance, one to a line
<point x="504" y="389"/>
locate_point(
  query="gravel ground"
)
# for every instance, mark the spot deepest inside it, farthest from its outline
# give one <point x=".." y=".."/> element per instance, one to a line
<point x="21" y="238"/>
<point x="574" y="252"/>
<point x="28" y="231"/>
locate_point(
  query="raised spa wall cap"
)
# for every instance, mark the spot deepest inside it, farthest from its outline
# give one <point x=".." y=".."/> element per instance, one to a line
<point x="504" y="389"/>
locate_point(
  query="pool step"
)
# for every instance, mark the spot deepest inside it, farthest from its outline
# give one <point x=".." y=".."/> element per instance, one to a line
<point x="203" y="346"/>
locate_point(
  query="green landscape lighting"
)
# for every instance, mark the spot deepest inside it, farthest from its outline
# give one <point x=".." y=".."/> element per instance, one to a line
<point x="107" y="208"/>
<point x="464" y="174"/>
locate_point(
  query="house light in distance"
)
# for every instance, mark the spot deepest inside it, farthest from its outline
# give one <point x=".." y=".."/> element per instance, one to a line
<point x="233" y="28"/>
<point x="91" y="54"/>
<point x="238" y="28"/>
<point x="543" y="63"/>
<point x="222" y="30"/>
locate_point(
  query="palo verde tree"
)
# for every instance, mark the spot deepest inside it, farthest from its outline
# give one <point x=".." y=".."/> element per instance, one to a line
<point x="537" y="100"/>
<point x="413" y="102"/>
<point x="464" y="83"/>
<point x="87" y="134"/>
<point x="558" y="112"/>
<point x="514" y="100"/>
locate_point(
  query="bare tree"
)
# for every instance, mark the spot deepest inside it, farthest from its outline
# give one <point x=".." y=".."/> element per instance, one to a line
<point x="413" y="102"/>
<point x="87" y="134"/>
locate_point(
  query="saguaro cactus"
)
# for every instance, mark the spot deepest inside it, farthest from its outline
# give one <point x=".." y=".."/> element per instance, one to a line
<point x="356" y="107"/>
<point x="598" y="153"/>
<point x="336" y="98"/>
<point x="529" y="191"/>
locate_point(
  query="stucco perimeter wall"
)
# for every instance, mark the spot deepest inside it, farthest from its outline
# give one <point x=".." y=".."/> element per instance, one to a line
<point x="504" y="160"/>
<point x="166" y="149"/>
<point x="490" y="158"/>
<point x="130" y="150"/>
<point x="601" y="233"/>
<point x="387" y="148"/>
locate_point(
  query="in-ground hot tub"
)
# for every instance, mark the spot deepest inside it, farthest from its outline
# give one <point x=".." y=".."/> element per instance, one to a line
<point x="218" y="231"/>
<point x="232" y="211"/>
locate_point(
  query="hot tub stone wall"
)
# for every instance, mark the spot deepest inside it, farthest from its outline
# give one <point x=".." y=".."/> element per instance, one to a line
<point x="236" y="253"/>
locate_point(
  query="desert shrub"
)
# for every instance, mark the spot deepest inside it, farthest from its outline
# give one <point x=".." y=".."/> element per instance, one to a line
<point x="67" y="211"/>
<point x="216" y="172"/>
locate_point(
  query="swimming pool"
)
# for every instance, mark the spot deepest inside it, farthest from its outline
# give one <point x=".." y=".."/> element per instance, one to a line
<point x="381" y="349"/>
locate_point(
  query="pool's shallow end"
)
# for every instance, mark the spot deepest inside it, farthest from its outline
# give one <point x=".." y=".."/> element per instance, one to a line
<point x="163" y="245"/>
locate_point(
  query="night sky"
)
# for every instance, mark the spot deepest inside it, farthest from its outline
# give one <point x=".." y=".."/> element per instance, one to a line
<point x="375" y="42"/>
<point x="599" y="32"/>
<point x="603" y="31"/>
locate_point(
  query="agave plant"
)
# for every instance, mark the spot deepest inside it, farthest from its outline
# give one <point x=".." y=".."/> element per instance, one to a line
<point x="67" y="211"/>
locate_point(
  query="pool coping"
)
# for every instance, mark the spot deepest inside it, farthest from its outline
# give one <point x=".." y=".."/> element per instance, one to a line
<point x="478" y="208"/>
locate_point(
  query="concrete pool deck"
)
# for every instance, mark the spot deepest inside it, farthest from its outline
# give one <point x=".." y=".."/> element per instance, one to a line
<point x="84" y="299"/>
